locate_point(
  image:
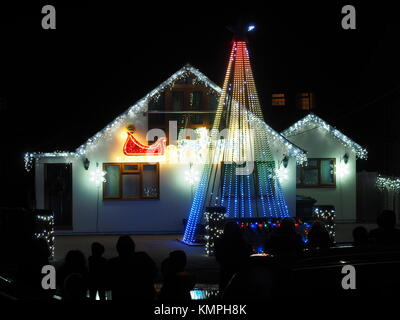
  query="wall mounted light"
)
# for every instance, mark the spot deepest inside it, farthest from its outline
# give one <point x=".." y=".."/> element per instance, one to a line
<point x="346" y="158"/>
<point x="86" y="163"/>
<point x="285" y="161"/>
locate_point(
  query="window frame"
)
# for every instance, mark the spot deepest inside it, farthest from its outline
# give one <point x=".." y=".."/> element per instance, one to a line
<point x="278" y="99"/>
<point x="184" y="98"/>
<point x="123" y="172"/>
<point x="191" y="94"/>
<point x="318" y="167"/>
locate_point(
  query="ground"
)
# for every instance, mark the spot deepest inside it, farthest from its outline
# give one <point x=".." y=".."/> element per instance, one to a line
<point x="158" y="247"/>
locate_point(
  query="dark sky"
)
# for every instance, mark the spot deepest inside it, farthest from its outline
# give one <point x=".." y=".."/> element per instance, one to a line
<point x="58" y="87"/>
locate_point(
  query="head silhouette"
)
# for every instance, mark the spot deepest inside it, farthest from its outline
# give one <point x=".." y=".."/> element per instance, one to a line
<point x="97" y="249"/>
<point x="387" y="219"/>
<point x="75" y="259"/>
<point x="178" y="260"/>
<point x="125" y="246"/>
<point x="360" y="235"/>
<point x="318" y="236"/>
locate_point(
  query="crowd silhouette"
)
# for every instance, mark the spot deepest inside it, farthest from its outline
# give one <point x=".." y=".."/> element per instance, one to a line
<point x="131" y="275"/>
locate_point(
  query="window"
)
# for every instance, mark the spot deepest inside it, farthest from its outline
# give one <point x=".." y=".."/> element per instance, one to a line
<point x="131" y="181"/>
<point x="177" y="100"/>
<point x="316" y="173"/>
<point x="305" y="101"/>
<point x="212" y="102"/>
<point x="278" y="99"/>
<point x="195" y="100"/>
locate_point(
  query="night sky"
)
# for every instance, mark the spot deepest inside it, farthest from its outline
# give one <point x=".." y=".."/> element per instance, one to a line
<point x="59" y="87"/>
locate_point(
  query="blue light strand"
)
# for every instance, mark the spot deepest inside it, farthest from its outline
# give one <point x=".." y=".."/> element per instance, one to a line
<point x="197" y="204"/>
<point x="236" y="196"/>
<point x="249" y="195"/>
<point x="242" y="198"/>
<point x="229" y="191"/>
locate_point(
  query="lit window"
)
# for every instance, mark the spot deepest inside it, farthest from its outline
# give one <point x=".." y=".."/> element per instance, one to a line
<point x="305" y="101"/>
<point x="278" y="99"/>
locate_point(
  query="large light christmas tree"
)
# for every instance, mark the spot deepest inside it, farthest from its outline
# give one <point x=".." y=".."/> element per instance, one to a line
<point x="240" y="174"/>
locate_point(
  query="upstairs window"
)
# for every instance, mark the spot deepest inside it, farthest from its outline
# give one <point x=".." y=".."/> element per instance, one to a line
<point x="278" y="99"/>
<point x="212" y="102"/>
<point x="195" y="100"/>
<point x="305" y="101"/>
<point x="178" y="100"/>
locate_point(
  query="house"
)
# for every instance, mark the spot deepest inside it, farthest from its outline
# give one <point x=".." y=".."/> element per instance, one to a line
<point x="329" y="175"/>
<point x="138" y="174"/>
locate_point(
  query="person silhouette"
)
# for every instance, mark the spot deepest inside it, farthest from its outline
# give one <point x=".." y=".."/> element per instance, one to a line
<point x="386" y="234"/>
<point x="29" y="273"/>
<point x="284" y="241"/>
<point x="97" y="272"/>
<point x="177" y="281"/>
<point x="360" y="236"/>
<point x="74" y="263"/>
<point x="318" y="237"/>
<point x="75" y="288"/>
<point x="131" y="273"/>
<point x="231" y="252"/>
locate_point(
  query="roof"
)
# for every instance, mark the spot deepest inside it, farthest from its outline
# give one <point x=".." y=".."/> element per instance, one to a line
<point x="141" y="106"/>
<point x="274" y="136"/>
<point x="312" y="121"/>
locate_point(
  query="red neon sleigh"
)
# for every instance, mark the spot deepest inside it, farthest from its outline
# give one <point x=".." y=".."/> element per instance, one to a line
<point x="133" y="147"/>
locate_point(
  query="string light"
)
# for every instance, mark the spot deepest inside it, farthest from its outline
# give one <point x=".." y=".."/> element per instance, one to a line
<point x="215" y="218"/>
<point x="312" y="121"/>
<point x="192" y="176"/>
<point x="263" y="226"/>
<point x="327" y="215"/>
<point x="248" y="141"/>
<point x="135" y="110"/>
<point x="141" y="106"/>
<point x="46" y="225"/>
<point x="388" y="183"/>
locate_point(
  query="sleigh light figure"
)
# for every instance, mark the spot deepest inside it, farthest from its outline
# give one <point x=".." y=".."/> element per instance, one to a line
<point x="133" y="147"/>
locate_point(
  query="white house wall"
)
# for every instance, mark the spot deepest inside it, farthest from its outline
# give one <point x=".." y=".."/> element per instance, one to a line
<point x="92" y="214"/>
<point x="319" y="144"/>
<point x="289" y="184"/>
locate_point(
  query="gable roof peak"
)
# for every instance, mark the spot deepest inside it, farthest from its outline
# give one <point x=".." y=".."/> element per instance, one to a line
<point x="304" y="124"/>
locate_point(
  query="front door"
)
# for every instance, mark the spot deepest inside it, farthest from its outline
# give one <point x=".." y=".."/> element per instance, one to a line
<point x="58" y="193"/>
